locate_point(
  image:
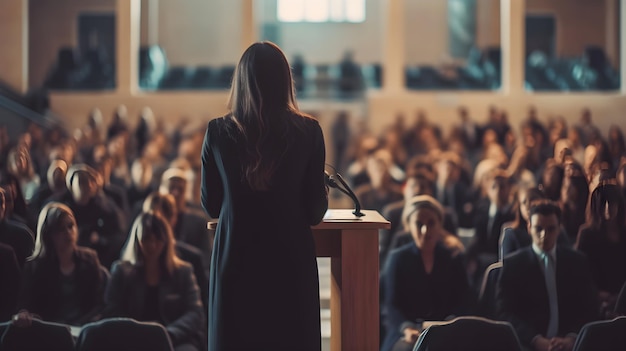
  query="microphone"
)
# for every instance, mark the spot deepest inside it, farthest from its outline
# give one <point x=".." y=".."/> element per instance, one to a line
<point x="331" y="181"/>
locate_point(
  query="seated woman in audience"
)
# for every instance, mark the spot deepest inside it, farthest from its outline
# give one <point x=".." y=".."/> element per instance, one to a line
<point x="151" y="283"/>
<point x="423" y="281"/>
<point x="603" y="240"/>
<point x="61" y="282"/>
<point x="574" y="196"/>
<point x="165" y="204"/>
<point x="515" y="234"/>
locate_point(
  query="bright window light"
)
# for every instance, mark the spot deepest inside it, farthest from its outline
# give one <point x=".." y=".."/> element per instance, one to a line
<point x="321" y="10"/>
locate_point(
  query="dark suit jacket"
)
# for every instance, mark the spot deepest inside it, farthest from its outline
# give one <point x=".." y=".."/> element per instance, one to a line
<point x="41" y="287"/>
<point x="9" y="282"/>
<point x="411" y="294"/>
<point x="522" y="298"/>
<point x="180" y="308"/>
<point x="486" y="241"/>
<point x="191" y="228"/>
<point x="19" y="237"/>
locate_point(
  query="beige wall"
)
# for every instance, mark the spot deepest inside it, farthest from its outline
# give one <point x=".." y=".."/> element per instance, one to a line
<point x="13" y="47"/>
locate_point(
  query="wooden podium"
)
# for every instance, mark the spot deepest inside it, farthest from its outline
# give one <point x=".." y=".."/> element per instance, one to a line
<point x="352" y="245"/>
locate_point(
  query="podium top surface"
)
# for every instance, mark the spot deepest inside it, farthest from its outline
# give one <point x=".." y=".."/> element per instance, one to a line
<point x="344" y="219"/>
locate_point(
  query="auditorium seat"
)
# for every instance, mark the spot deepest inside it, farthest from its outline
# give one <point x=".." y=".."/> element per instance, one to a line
<point x="40" y="336"/>
<point x="620" y="304"/>
<point x="469" y="333"/>
<point x="123" y="334"/>
<point x="487" y="295"/>
<point x="602" y="335"/>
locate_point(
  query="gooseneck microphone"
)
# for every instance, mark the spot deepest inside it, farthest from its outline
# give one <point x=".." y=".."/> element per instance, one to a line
<point x="342" y="185"/>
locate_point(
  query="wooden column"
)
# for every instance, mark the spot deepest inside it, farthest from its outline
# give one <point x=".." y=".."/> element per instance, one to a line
<point x="394" y="46"/>
<point x="248" y="24"/>
<point x="513" y="20"/>
<point x="127" y="17"/>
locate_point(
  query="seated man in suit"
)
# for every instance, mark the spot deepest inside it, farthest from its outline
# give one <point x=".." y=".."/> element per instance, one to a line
<point x="545" y="291"/>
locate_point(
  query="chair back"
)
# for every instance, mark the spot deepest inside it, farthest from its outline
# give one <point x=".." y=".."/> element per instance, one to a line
<point x="487" y="295"/>
<point x="620" y="304"/>
<point x="602" y="335"/>
<point x="469" y="333"/>
<point x="38" y="337"/>
<point x="123" y="334"/>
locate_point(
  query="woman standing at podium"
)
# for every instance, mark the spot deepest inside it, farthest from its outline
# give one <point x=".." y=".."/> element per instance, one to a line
<point x="263" y="176"/>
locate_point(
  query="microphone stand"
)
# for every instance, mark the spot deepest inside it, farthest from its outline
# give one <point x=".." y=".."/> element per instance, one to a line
<point x="344" y="188"/>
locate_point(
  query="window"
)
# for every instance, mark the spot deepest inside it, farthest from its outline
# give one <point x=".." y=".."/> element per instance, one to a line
<point x="321" y="10"/>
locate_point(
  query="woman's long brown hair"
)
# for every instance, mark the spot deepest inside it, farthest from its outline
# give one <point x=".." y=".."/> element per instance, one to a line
<point x="263" y="107"/>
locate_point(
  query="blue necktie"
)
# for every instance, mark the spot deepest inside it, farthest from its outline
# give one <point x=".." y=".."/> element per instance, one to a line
<point x="550" y="276"/>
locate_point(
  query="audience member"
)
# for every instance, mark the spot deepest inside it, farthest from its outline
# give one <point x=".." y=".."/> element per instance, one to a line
<point x="62" y="282"/>
<point x="16" y="208"/>
<point x="603" y="240"/>
<point x="53" y="187"/>
<point x="10" y="282"/>
<point x="515" y="234"/>
<point x="165" y="204"/>
<point x="491" y="213"/>
<point x="15" y="234"/>
<point x="19" y="164"/>
<point x="152" y="284"/>
<point x="423" y="280"/>
<point x="190" y="226"/>
<point x="574" y="196"/>
<point x="381" y="189"/>
<point x="100" y="226"/>
<point x="546" y="305"/>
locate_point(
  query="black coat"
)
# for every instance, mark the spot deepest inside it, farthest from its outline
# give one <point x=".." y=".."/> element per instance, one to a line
<point x="410" y="294"/>
<point x="180" y="308"/>
<point x="19" y="237"/>
<point x="264" y="264"/>
<point x="9" y="282"/>
<point x="41" y="287"/>
<point x="522" y="297"/>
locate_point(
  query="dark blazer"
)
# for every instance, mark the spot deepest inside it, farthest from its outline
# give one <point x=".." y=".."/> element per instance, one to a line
<point x="522" y="298"/>
<point x="101" y="216"/>
<point x="513" y="239"/>
<point x="191" y="228"/>
<point x="41" y="287"/>
<point x="607" y="260"/>
<point x="410" y="294"/>
<point x="9" y="282"/>
<point x="180" y="308"/>
<point x="486" y="241"/>
<point x="19" y="237"/>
